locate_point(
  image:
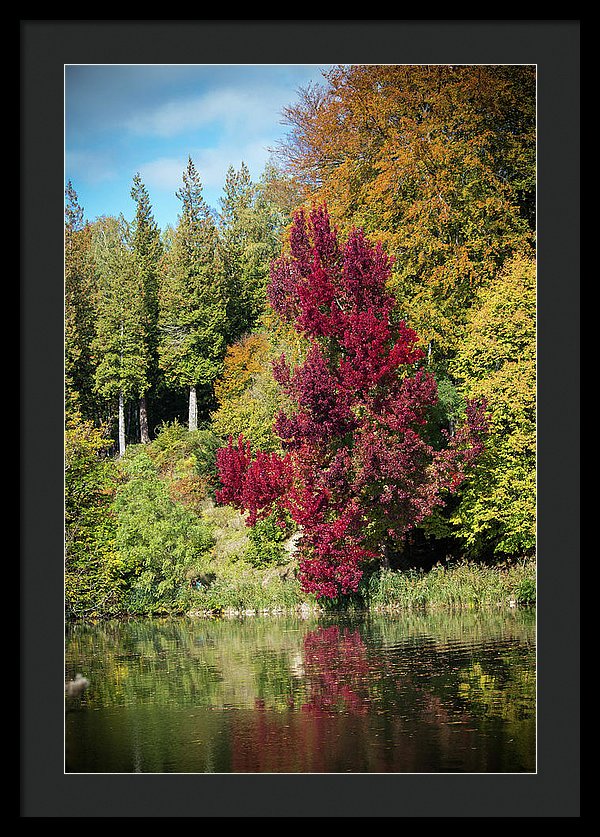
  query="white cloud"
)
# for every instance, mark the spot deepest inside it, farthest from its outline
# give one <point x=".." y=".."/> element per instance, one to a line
<point x="163" y="173"/>
<point x="93" y="167"/>
<point x="230" y="109"/>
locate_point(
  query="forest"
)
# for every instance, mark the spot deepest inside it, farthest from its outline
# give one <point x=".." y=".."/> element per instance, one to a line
<point x="322" y="393"/>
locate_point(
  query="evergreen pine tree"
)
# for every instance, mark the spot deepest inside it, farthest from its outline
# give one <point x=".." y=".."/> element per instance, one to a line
<point x="79" y="309"/>
<point x="192" y="306"/>
<point x="147" y="250"/>
<point x="119" y="345"/>
<point x="249" y="239"/>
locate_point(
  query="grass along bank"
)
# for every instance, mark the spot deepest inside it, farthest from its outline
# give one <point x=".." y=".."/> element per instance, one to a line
<point x="246" y="590"/>
<point x="462" y="585"/>
<point x="240" y="587"/>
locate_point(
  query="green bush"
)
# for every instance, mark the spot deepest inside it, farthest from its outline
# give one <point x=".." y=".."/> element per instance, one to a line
<point x="161" y="544"/>
<point x="525" y="592"/>
<point x="267" y="539"/>
<point x="176" y="448"/>
<point x="92" y="579"/>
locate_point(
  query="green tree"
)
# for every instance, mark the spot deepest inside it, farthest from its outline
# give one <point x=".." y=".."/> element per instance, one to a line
<point x="161" y="543"/>
<point x="79" y="309"/>
<point x="119" y="344"/>
<point x="146" y="246"/>
<point x="192" y="305"/>
<point x="92" y="569"/>
<point x="497" y="360"/>
<point x="249" y="239"/>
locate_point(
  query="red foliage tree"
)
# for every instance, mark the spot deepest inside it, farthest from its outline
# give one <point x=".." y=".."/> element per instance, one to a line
<point x="357" y="471"/>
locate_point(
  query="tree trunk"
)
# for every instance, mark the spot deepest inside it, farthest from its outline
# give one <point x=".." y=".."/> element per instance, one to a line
<point x="144" y="435"/>
<point x="121" y="424"/>
<point x="385" y="556"/>
<point x="193" y="410"/>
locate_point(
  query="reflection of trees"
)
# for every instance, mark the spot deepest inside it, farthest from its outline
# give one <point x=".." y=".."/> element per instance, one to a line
<point x="336" y="670"/>
<point x="268" y="695"/>
<point x="142" y="662"/>
<point x="400" y="708"/>
<point x="180" y="662"/>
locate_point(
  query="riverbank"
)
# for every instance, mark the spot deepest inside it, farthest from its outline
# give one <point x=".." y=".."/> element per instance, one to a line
<point x="464" y="585"/>
<point x="242" y="587"/>
<point x="147" y="539"/>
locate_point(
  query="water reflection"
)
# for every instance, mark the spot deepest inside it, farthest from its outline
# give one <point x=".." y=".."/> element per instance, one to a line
<point x="336" y="671"/>
<point x="419" y="693"/>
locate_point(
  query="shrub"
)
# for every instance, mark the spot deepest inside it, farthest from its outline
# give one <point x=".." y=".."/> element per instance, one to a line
<point x="92" y="579"/>
<point x="161" y="543"/>
<point x="179" y="454"/>
<point x="525" y="592"/>
<point x="267" y="539"/>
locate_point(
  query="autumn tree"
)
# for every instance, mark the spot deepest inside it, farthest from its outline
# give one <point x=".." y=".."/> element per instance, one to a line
<point x="248" y="395"/>
<point x="145" y="242"/>
<point x="281" y="188"/>
<point x="497" y="361"/>
<point x="356" y="472"/>
<point x="436" y="162"/>
<point x="119" y="346"/>
<point x="192" y="303"/>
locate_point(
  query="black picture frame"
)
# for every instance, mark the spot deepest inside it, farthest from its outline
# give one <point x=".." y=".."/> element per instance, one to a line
<point x="45" y="47"/>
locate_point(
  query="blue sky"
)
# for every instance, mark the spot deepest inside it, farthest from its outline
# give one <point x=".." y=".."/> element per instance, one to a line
<point x="120" y="120"/>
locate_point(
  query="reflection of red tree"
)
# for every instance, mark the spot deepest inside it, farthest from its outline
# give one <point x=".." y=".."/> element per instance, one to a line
<point x="356" y="719"/>
<point x="336" y="668"/>
<point x="336" y="671"/>
<point x="268" y="741"/>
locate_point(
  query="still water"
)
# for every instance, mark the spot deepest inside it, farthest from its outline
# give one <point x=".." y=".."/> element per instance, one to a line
<point x="368" y="694"/>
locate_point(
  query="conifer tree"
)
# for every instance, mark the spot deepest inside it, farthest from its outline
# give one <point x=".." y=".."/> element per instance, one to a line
<point x="192" y="306"/>
<point x="79" y="309"/>
<point x="249" y="233"/>
<point x="147" y="250"/>
<point x="119" y="345"/>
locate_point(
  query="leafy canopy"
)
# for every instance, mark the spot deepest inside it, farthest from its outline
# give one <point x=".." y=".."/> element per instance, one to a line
<point x="497" y="361"/>
<point x="436" y="162"/>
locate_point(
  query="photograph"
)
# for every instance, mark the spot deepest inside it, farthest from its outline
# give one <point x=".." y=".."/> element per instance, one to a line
<point x="301" y="418"/>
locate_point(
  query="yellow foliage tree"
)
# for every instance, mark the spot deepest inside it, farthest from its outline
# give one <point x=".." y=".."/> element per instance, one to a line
<point x="497" y="360"/>
<point x="437" y="162"/>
